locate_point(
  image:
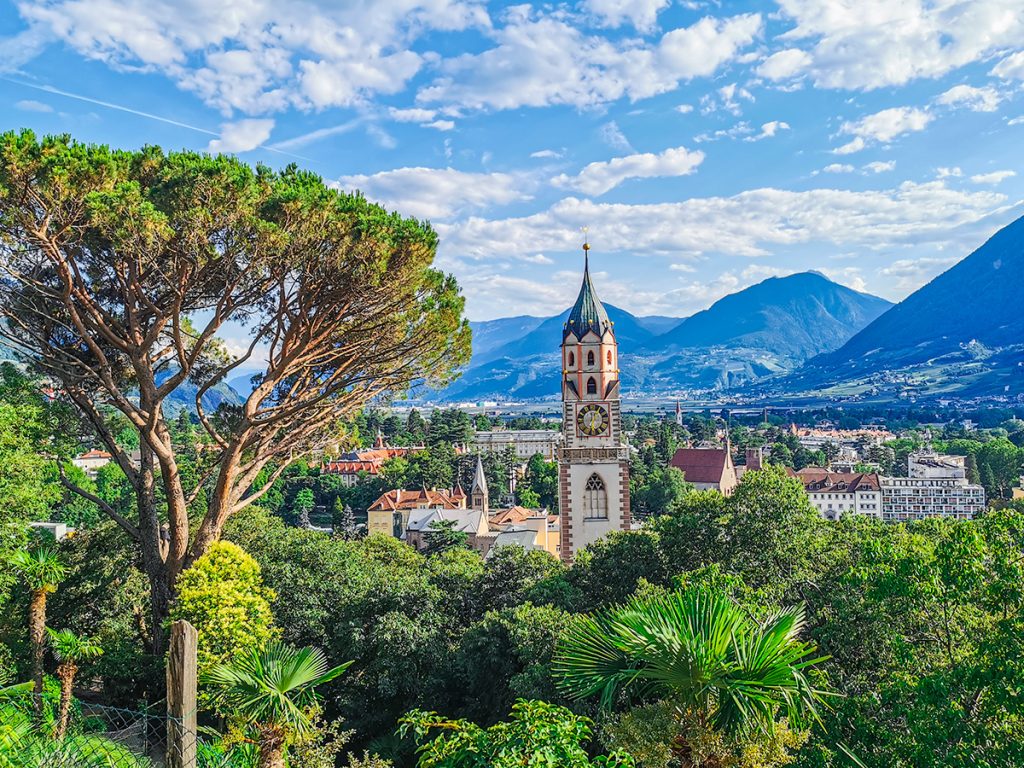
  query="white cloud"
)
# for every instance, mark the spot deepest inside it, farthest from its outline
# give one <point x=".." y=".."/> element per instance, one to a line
<point x="31" y="105"/>
<point x="784" y="64"/>
<point x="21" y="48"/>
<point x="995" y="177"/>
<point x="598" y="178"/>
<point x="848" y="276"/>
<point x="684" y="109"/>
<point x="910" y="274"/>
<point x="837" y="168"/>
<point x="769" y="129"/>
<point x="752" y="223"/>
<point x="241" y="136"/>
<point x="546" y="154"/>
<point x="258" y="56"/>
<point x="1010" y="68"/>
<point x="882" y="127"/>
<point x="438" y="193"/>
<point x="871" y="44"/>
<point x="1016" y="121"/>
<point x="613" y="136"/>
<point x="975" y="99"/>
<point x="440" y="125"/>
<point x="382" y="138"/>
<point x="541" y="60"/>
<point x="414" y="115"/>
<point x="879" y="167"/>
<point x="728" y="98"/>
<point x="641" y="14"/>
<point x="740" y="129"/>
<point x="854" y="145"/>
<point x="946" y="173"/>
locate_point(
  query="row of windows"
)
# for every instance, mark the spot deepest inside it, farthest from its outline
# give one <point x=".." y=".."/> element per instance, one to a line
<point x="590" y="358"/>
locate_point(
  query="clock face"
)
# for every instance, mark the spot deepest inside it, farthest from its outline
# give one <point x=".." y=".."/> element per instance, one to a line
<point x="592" y="419"/>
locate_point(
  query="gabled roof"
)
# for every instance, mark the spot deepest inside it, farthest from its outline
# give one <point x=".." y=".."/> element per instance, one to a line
<point x="818" y="479"/>
<point x="514" y="514"/>
<point x="468" y="520"/>
<point x="95" y="453"/>
<point x="401" y="499"/>
<point x="522" y="537"/>
<point x="588" y="313"/>
<point x="702" y="465"/>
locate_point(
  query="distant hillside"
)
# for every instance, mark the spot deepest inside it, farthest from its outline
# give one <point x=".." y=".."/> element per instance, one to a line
<point x="490" y="335"/>
<point x="961" y="333"/>
<point x="797" y="316"/>
<point x="765" y="330"/>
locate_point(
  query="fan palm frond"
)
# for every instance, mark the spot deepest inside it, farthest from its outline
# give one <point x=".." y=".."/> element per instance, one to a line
<point x="273" y="685"/>
<point x="699" y="650"/>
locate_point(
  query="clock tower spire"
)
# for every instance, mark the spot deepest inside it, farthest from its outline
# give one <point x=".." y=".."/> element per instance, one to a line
<point x="593" y="463"/>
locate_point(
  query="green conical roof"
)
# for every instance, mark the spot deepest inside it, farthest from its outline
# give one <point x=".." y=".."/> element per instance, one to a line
<point x="588" y="313"/>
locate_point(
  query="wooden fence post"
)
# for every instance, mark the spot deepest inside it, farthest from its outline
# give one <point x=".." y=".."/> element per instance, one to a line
<point x="181" y="696"/>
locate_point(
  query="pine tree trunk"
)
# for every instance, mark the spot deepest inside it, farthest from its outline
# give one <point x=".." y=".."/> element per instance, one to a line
<point x="66" y="674"/>
<point x="271" y="747"/>
<point x="37" y="635"/>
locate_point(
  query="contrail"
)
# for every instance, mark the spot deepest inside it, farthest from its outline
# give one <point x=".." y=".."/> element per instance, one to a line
<point x="140" y="113"/>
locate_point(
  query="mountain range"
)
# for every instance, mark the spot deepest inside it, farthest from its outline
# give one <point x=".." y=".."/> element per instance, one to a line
<point x="767" y="329"/>
<point x="962" y="334"/>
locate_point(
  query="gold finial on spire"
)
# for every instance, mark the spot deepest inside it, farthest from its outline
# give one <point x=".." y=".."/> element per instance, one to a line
<point x="586" y="239"/>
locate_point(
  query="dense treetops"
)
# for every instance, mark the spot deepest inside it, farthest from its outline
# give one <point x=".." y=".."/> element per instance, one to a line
<point x="118" y="270"/>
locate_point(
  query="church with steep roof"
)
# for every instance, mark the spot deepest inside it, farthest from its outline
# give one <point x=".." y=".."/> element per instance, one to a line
<point x="593" y="460"/>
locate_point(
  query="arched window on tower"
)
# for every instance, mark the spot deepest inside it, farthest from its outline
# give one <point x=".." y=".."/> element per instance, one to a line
<point x="590" y="357"/>
<point x="591" y="386"/>
<point x="609" y="357"/>
<point x="595" y="498"/>
<point x="572" y="359"/>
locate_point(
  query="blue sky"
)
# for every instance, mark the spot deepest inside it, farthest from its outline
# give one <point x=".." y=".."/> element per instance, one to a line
<point x="705" y="145"/>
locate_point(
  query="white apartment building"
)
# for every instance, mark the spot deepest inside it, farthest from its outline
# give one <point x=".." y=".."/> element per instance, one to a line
<point x="937" y="486"/>
<point x="835" y="494"/>
<point x="526" y="442"/>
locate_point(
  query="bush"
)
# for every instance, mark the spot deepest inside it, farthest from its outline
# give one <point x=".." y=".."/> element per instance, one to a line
<point x="224" y="598"/>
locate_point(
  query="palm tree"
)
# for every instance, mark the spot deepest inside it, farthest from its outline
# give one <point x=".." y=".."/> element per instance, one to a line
<point x="70" y="649"/>
<point x="42" y="571"/>
<point x="272" y="689"/>
<point x="719" y="668"/>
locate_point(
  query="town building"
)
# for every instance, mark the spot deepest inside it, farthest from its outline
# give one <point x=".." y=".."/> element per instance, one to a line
<point x="936" y="486"/>
<point x="836" y="494"/>
<point x="472" y="522"/>
<point x="707" y="469"/>
<point x="525" y="442"/>
<point x="91" y="461"/>
<point x="389" y="514"/>
<point x="353" y="465"/>
<point x="593" y="460"/>
<point x="1018" y="491"/>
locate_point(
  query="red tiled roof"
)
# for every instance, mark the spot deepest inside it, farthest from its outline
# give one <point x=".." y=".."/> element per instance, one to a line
<point x="402" y="499"/>
<point x="369" y="461"/>
<point x="817" y="479"/>
<point x="95" y="453"/>
<point x="515" y="514"/>
<point x="701" y="465"/>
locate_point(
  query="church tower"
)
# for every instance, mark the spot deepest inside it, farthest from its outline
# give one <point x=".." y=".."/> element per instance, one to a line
<point x="478" y="492"/>
<point x="593" y="462"/>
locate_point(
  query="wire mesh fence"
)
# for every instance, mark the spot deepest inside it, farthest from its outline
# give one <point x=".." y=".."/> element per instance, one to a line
<point x="96" y="736"/>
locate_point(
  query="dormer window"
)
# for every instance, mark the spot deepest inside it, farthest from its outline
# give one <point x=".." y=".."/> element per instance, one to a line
<point x="590" y="357"/>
